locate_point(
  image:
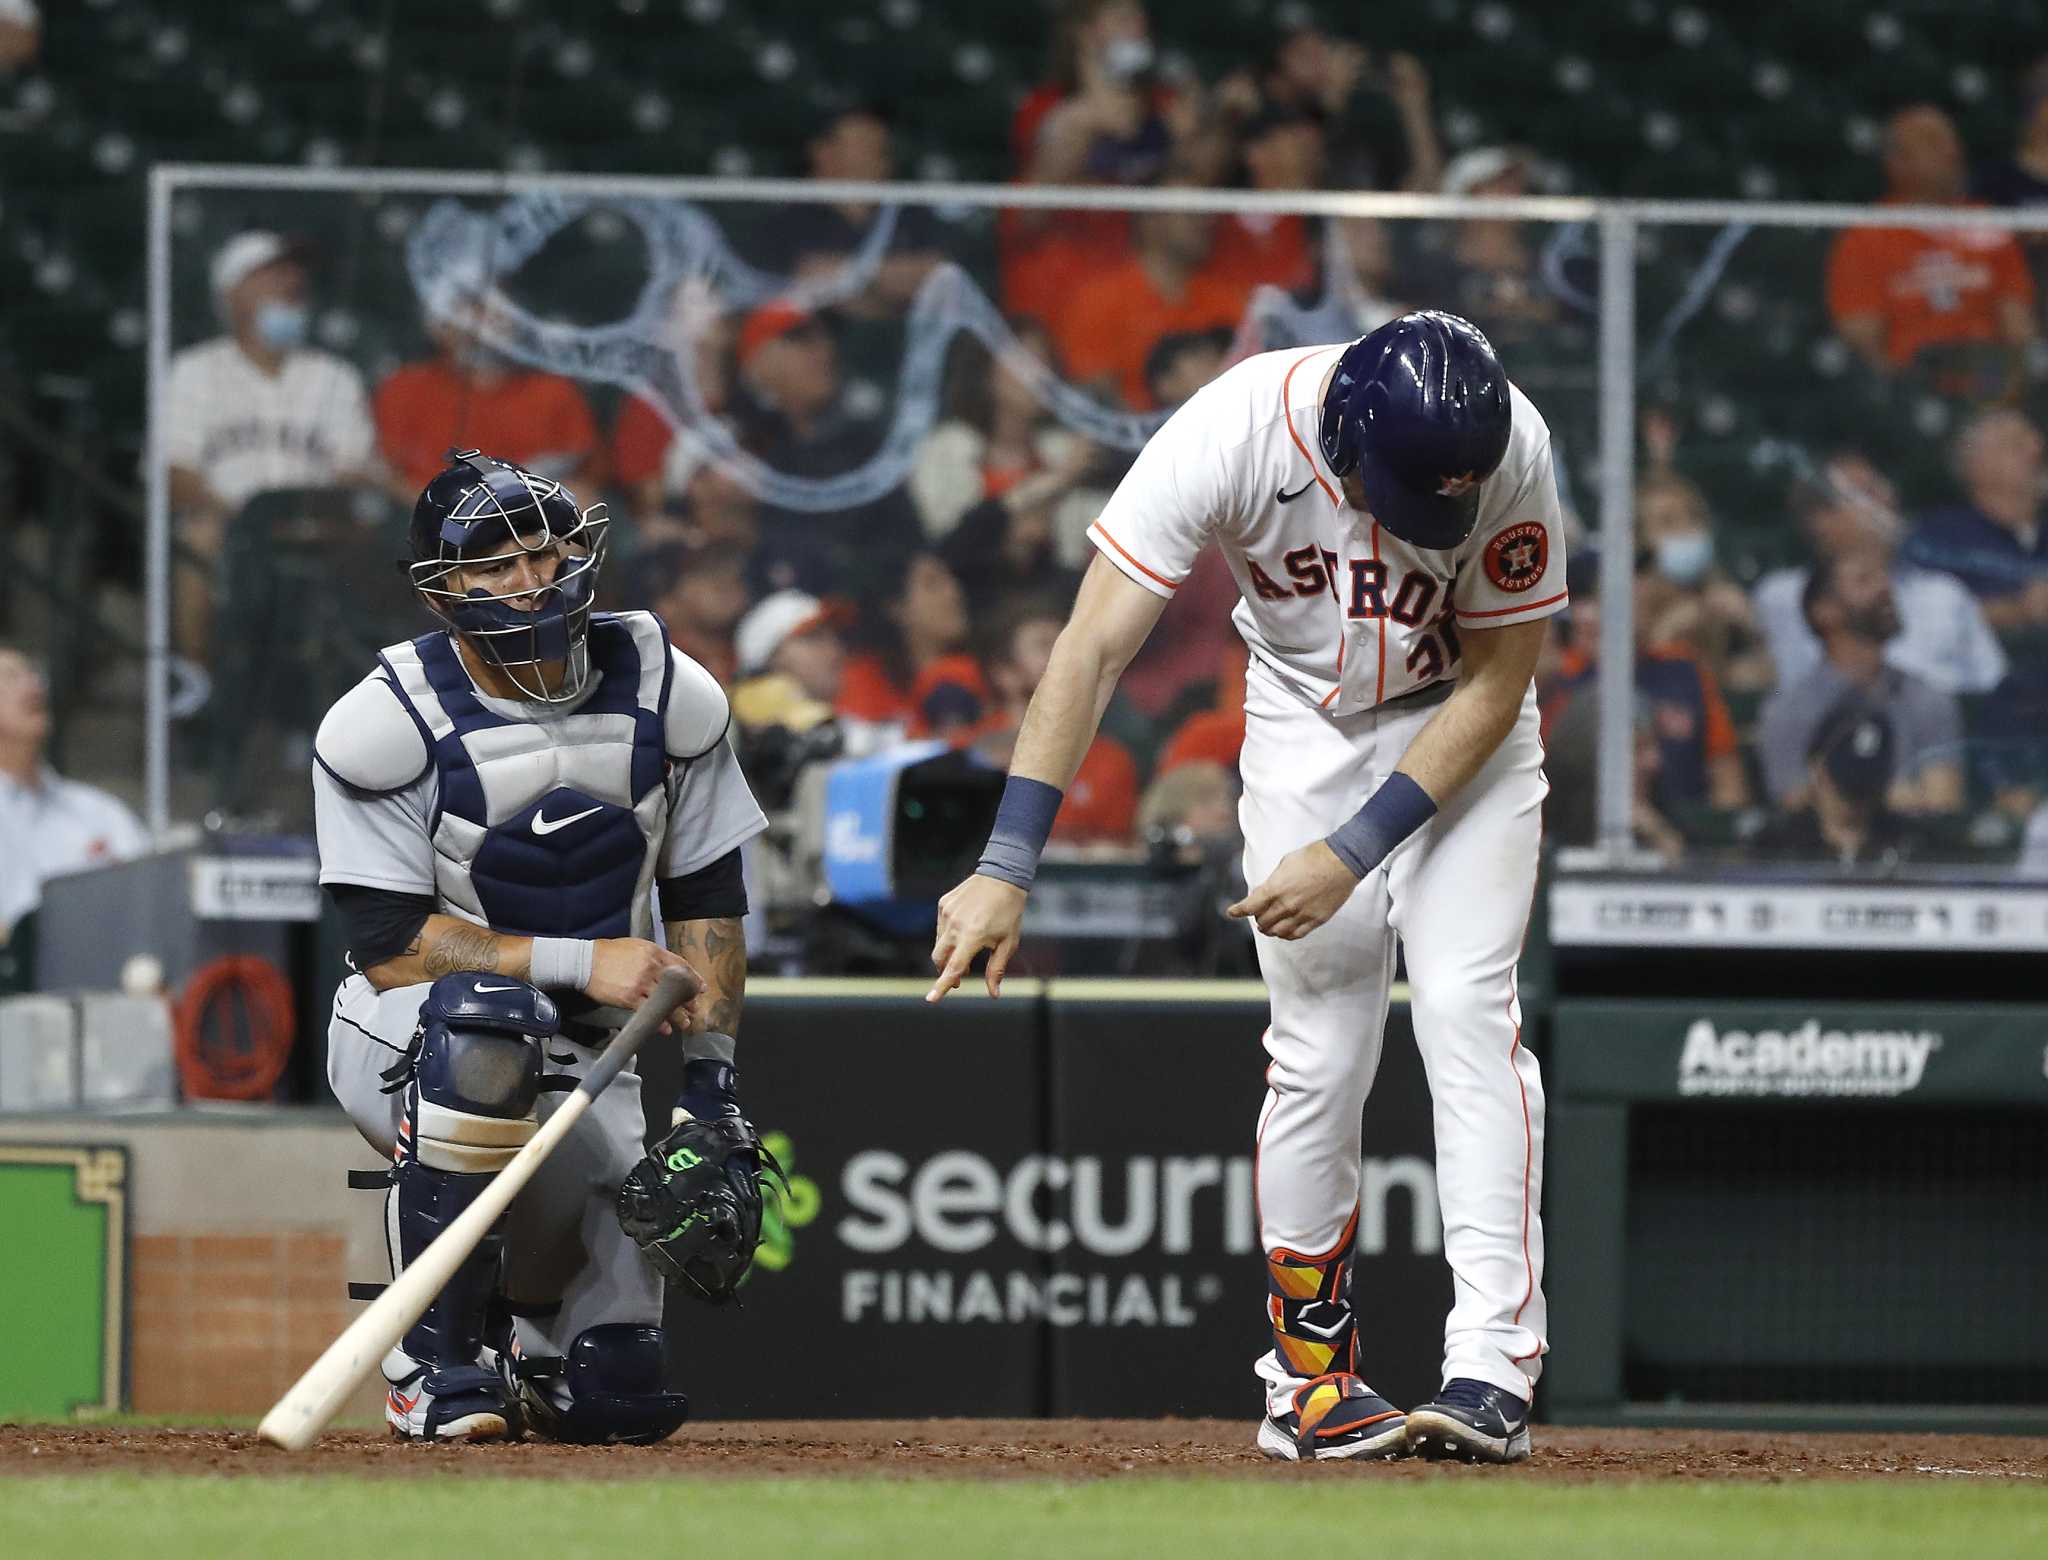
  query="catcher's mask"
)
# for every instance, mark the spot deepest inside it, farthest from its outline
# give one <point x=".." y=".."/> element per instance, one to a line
<point x="479" y="513"/>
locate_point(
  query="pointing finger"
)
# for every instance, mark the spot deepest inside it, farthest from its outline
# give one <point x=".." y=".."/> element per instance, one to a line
<point x="950" y="976"/>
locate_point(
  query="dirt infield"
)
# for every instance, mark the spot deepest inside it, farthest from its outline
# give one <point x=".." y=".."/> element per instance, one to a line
<point x="998" y="1448"/>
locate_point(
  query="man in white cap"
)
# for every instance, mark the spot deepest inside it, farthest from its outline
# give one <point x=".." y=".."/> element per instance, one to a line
<point x="795" y="635"/>
<point x="255" y="409"/>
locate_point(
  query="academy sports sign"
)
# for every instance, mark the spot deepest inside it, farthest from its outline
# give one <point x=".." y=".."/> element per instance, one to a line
<point x="1907" y="1053"/>
<point x="1803" y="1062"/>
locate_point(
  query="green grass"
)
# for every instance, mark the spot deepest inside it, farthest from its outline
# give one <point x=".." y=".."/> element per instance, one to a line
<point x="133" y="1516"/>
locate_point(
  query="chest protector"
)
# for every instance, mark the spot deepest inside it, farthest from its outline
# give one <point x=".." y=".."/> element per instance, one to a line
<point x="549" y="825"/>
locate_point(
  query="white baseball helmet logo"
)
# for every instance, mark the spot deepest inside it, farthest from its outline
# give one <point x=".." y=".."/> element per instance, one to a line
<point x="1458" y="487"/>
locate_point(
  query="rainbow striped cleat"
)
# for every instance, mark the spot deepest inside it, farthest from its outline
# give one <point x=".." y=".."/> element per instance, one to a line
<point x="1334" y="1418"/>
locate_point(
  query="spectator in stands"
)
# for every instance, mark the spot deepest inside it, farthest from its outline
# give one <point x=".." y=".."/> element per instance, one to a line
<point x="255" y="410"/>
<point x="1167" y="285"/>
<point x="1190" y="809"/>
<point x="1101" y="117"/>
<point x="1382" y="135"/>
<point x="1935" y="297"/>
<point x="1994" y="541"/>
<point x="702" y="599"/>
<point x="909" y="667"/>
<point x="1849" y="604"/>
<point x="1849" y="505"/>
<point x="792" y="670"/>
<point x="1282" y="151"/>
<point x="796" y="636"/>
<point x="471" y="396"/>
<point x="1357" y="293"/>
<point x="21" y="34"/>
<point x="1180" y="364"/>
<point x="2021" y="180"/>
<point x="1700" y="608"/>
<point x="1845" y="817"/>
<point x="810" y="241"/>
<point x="998" y="442"/>
<point x="797" y="421"/>
<point x="1195" y="643"/>
<point x="1010" y="544"/>
<point x="1678" y="700"/>
<point x="1485" y="267"/>
<point x="1102" y="802"/>
<point x="48" y="825"/>
<point x="648" y="462"/>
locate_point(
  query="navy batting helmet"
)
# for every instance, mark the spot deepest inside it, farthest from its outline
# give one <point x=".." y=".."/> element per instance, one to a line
<point x="480" y="512"/>
<point x="1419" y="409"/>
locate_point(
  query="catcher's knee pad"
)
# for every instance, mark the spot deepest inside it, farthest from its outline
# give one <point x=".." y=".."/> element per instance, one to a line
<point x="475" y="1072"/>
<point x="1308" y="1303"/>
<point x="608" y="1388"/>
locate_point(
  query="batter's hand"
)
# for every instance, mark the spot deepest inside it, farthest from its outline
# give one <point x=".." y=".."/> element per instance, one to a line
<point x="1308" y="887"/>
<point x="982" y="912"/>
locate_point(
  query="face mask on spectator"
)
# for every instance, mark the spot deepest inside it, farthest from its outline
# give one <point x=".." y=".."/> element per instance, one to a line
<point x="473" y="357"/>
<point x="281" y="326"/>
<point x="1124" y="60"/>
<point x="1877" y="622"/>
<point x="1684" y="560"/>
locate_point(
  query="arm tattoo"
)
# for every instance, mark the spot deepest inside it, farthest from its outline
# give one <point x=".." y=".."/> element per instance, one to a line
<point x="718" y="951"/>
<point x="462" y="948"/>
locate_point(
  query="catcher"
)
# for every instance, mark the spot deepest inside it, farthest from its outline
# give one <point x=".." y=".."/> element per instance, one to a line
<point x="501" y="804"/>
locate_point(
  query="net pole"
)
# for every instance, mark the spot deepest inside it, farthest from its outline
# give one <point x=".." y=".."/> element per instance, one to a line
<point x="1615" y="767"/>
<point x="156" y="779"/>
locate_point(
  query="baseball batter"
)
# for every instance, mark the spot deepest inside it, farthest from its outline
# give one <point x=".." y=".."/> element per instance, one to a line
<point x="501" y="805"/>
<point x="1390" y="513"/>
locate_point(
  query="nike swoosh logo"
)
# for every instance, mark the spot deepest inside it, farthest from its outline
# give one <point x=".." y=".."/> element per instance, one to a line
<point x="481" y="989"/>
<point x="1285" y="497"/>
<point x="542" y="824"/>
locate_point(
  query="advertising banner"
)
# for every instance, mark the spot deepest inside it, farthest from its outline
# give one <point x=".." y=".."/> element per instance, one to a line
<point x="1753" y="1051"/>
<point x="1037" y="1205"/>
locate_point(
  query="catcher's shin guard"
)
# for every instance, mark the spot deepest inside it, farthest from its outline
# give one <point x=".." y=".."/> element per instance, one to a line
<point x="1308" y="1303"/>
<point x="471" y="1082"/>
<point x="439" y="1388"/>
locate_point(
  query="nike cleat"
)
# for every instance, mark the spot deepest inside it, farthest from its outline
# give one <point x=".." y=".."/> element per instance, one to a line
<point x="1334" y="1418"/>
<point x="448" y="1403"/>
<point x="1471" y="1421"/>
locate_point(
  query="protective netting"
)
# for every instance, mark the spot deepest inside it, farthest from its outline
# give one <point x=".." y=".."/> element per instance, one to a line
<point x="654" y="313"/>
<point x="1839" y="662"/>
<point x="1765" y="440"/>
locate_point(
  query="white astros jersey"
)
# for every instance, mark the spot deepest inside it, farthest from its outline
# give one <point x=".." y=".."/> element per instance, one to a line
<point x="1345" y="613"/>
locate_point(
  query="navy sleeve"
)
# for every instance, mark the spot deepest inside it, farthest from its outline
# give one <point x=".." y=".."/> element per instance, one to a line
<point x="714" y="893"/>
<point x="380" y="924"/>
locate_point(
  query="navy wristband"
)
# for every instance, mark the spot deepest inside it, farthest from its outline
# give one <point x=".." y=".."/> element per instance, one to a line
<point x="1392" y="813"/>
<point x="1023" y="824"/>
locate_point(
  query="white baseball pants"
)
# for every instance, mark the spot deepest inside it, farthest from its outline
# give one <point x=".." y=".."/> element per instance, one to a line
<point x="1457" y="894"/>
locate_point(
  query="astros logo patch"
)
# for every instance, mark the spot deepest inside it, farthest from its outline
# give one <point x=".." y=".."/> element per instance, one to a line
<point x="1515" y="559"/>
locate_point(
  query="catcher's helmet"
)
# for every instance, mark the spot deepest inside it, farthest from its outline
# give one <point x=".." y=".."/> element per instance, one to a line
<point x="479" y="511"/>
<point x="1419" y="409"/>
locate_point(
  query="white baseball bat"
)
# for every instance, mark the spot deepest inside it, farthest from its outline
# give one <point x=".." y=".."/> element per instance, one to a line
<point x="303" y="1412"/>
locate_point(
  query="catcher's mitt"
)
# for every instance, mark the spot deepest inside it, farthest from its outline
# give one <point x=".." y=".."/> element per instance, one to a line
<point x="694" y="1203"/>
